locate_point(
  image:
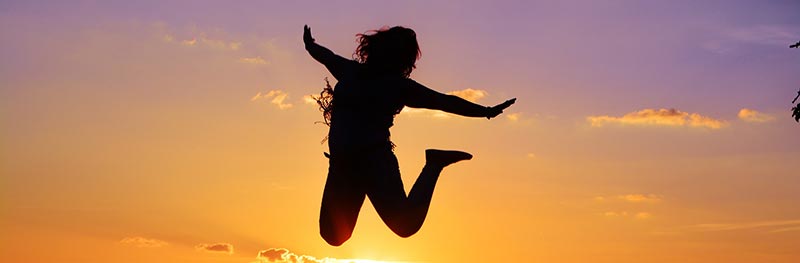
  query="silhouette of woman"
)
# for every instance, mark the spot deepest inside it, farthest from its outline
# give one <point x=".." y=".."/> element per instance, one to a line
<point x="370" y="91"/>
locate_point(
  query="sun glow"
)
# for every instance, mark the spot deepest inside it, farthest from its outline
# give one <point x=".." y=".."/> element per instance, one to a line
<point x="366" y="261"/>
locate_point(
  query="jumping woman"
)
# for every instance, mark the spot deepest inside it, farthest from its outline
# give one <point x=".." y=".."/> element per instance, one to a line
<point x="360" y="109"/>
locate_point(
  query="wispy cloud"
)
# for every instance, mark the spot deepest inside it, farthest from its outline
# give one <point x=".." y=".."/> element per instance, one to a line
<point x="143" y="242"/>
<point x="189" y="42"/>
<point x="472" y="95"/>
<point x="771" y="226"/>
<point x="276" y="97"/>
<point x="514" y="116"/>
<point x="201" y="40"/>
<point x="732" y="39"/>
<point x="282" y="255"/>
<point x="631" y="198"/>
<point x="221" y="44"/>
<point x="659" y="117"/>
<point x="765" y="34"/>
<point x="309" y="100"/>
<point x="786" y="229"/>
<point x="216" y="248"/>
<point x="750" y="115"/>
<point x="254" y="51"/>
<point x="254" y="61"/>
<point x="643" y="215"/>
<point x="640" y="198"/>
<point x="615" y="214"/>
<point x="617" y="200"/>
<point x="626" y="214"/>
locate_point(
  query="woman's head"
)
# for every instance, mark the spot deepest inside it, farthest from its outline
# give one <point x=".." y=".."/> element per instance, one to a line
<point x="389" y="50"/>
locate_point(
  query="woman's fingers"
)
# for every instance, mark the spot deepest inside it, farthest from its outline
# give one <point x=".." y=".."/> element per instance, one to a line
<point x="496" y="110"/>
<point x="307" y="34"/>
<point x="506" y="104"/>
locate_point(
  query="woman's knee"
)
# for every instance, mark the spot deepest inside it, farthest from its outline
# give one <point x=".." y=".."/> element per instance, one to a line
<point x="405" y="229"/>
<point x="333" y="237"/>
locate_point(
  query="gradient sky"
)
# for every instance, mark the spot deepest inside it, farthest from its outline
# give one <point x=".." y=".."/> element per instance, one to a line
<point x="179" y="131"/>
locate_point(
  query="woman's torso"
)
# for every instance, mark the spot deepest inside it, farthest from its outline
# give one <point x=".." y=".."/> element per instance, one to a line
<point x="364" y="109"/>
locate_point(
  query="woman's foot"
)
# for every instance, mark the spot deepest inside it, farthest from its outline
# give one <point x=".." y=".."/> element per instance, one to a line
<point x="444" y="158"/>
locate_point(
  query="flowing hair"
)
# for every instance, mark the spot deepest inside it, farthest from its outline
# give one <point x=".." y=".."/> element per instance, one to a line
<point x="325" y="102"/>
<point x="388" y="50"/>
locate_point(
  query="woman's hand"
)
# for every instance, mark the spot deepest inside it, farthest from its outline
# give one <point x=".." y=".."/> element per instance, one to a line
<point x="496" y="110"/>
<point x="307" y="35"/>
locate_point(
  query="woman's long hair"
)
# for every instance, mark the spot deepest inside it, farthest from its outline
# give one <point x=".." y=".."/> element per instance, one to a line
<point x="388" y="50"/>
<point x="325" y="102"/>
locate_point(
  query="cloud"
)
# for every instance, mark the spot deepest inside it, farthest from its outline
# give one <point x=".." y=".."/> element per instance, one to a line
<point x="786" y="229"/>
<point x="472" y="95"/>
<point x="143" y="242"/>
<point x="643" y="215"/>
<point x="216" y="248"/>
<point x="236" y="48"/>
<point x="632" y="198"/>
<point x="276" y="97"/>
<point x="272" y="254"/>
<point x="640" y="198"/>
<point x="660" y="117"/>
<point x="615" y="214"/>
<point x="626" y="214"/>
<point x="282" y="255"/>
<point x="254" y="61"/>
<point x="773" y="226"/>
<point x="221" y="44"/>
<point x="629" y="198"/>
<point x="775" y="35"/>
<point x="749" y="115"/>
<point x="206" y="42"/>
<point x="189" y="42"/>
<point x="514" y="116"/>
<point x="309" y="99"/>
<point x="731" y="39"/>
<point x="235" y="45"/>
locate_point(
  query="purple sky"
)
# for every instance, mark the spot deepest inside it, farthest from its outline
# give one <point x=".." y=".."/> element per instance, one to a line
<point x="618" y="55"/>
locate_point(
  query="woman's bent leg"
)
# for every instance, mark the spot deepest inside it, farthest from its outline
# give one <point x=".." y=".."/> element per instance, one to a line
<point x="341" y="202"/>
<point x="405" y="214"/>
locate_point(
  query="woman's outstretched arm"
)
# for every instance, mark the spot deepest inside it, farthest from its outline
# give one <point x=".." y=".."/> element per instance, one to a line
<point x="420" y="96"/>
<point x="334" y="63"/>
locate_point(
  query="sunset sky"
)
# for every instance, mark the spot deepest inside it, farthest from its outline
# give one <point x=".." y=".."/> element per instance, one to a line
<point x="181" y="131"/>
